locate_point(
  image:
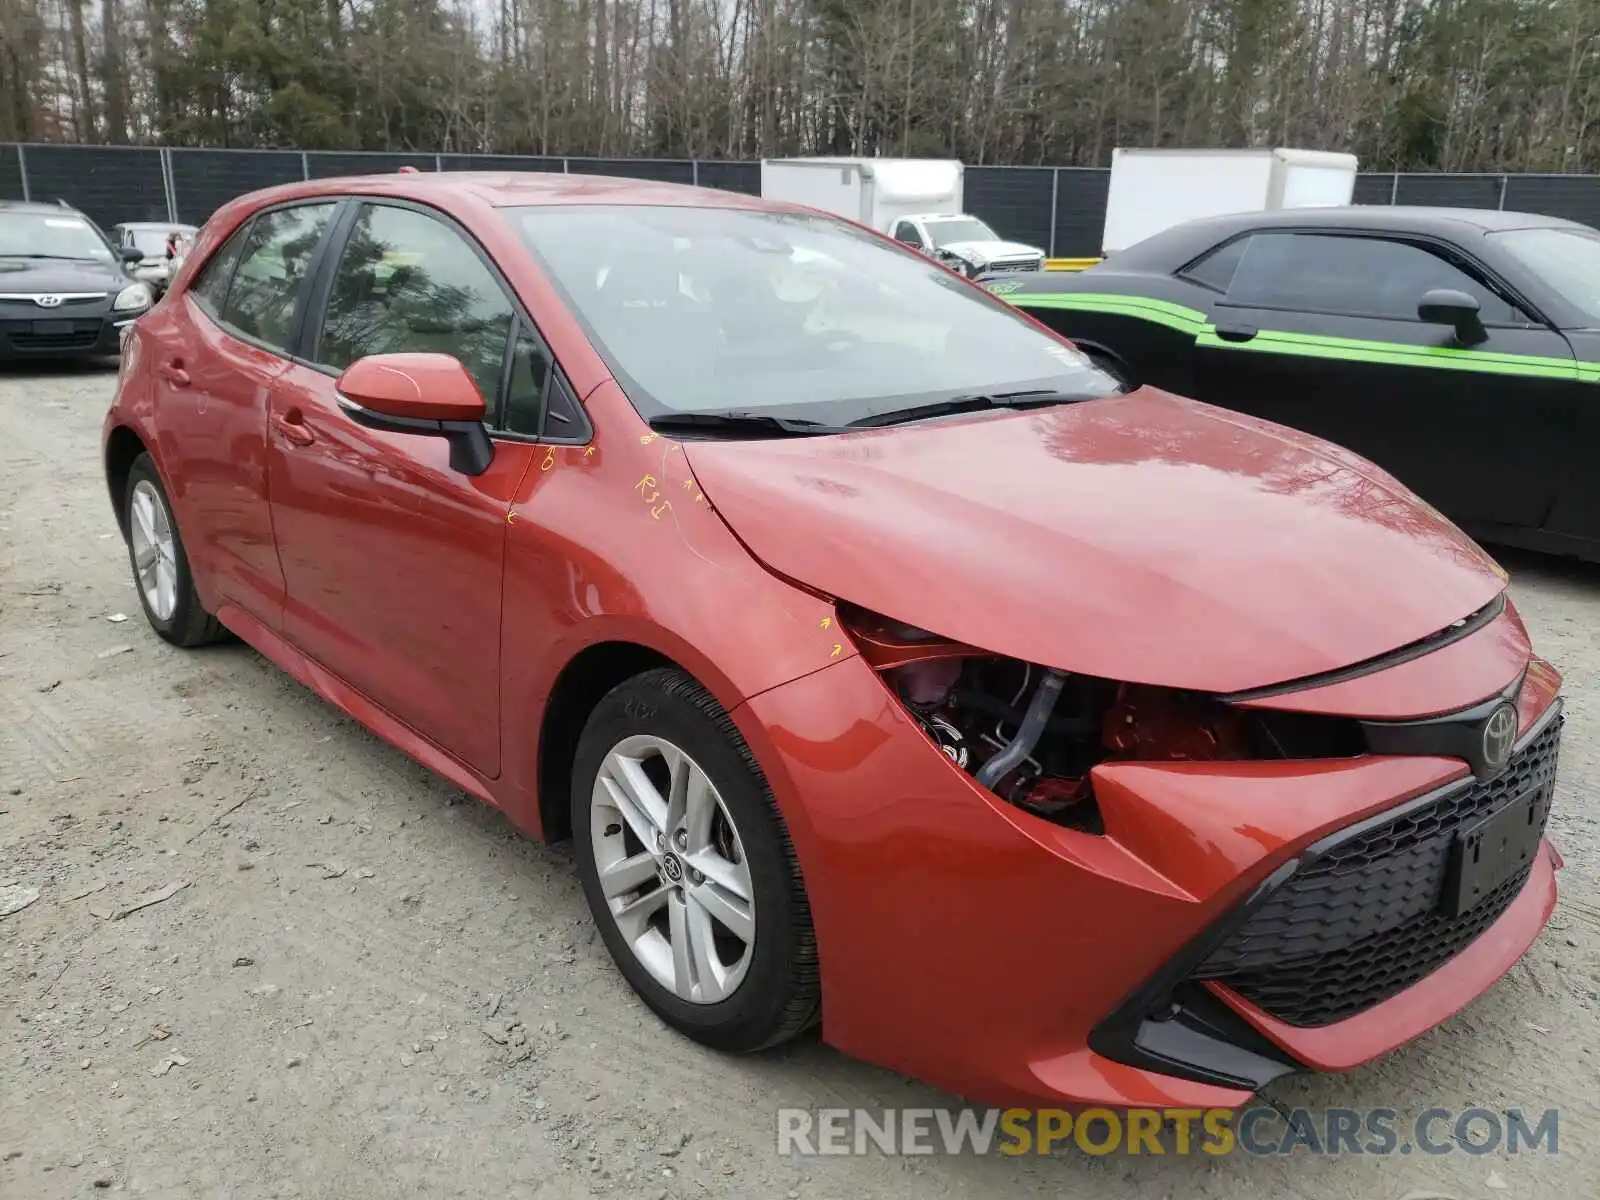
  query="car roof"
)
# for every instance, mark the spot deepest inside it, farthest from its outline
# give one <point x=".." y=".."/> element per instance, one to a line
<point x="1398" y="217"/>
<point x="1171" y="248"/>
<point x="509" y="189"/>
<point x="35" y="206"/>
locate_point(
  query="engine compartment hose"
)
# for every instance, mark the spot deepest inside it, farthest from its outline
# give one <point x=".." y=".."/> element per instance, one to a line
<point x="1029" y="732"/>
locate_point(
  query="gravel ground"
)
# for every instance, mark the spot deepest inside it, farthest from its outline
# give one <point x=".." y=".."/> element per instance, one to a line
<point x="367" y="987"/>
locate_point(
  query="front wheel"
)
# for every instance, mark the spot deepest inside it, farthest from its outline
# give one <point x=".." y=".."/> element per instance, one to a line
<point x="688" y="868"/>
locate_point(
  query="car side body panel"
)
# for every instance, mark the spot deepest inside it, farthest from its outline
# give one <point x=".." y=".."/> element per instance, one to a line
<point x="615" y="541"/>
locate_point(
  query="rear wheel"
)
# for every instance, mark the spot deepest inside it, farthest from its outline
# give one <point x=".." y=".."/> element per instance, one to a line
<point x="688" y="868"/>
<point x="160" y="567"/>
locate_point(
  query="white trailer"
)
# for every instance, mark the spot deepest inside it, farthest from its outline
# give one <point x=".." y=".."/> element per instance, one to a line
<point x="1152" y="190"/>
<point x="917" y="200"/>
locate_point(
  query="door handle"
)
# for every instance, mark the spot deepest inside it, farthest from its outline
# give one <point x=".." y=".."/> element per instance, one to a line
<point x="1236" y="333"/>
<point x="174" y="373"/>
<point x="292" y="428"/>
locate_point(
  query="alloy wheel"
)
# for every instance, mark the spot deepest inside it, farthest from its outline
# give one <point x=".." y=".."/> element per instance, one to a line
<point x="154" y="553"/>
<point x="672" y="868"/>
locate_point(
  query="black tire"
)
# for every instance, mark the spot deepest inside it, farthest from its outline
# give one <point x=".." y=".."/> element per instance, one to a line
<point x="189" y="624"/>
<point x="779" y="996"/>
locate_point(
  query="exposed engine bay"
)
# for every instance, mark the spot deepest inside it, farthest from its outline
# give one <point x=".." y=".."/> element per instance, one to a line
<point x="1032" y="734"/>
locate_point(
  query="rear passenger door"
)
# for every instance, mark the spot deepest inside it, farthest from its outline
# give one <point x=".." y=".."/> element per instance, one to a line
<point x="1319" y="331"/>
<point x="214" y="357"/>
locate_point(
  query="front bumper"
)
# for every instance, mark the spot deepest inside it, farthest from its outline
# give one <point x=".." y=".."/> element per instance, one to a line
<point x="1013" y="961"/>
<point x="71" y="331"/>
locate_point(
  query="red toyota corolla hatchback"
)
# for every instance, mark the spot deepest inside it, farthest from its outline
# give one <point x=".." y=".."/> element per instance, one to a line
<point x="889" y="666"/>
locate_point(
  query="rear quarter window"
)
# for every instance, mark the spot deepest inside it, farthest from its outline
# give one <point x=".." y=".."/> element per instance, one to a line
<point x="210" y="290"/>
<point x="1215" y="268"/>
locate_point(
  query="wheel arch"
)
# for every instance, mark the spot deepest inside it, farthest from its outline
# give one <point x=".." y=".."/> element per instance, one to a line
<point x="579" y="687"/>
<point x="123" y="446"/>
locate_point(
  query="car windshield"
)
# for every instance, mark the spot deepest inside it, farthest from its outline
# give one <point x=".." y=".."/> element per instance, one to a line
<point x="959" y="229"/>
<point x="716" y="310"/>
<point x="152" y="241"/>
<point x="1567" y="260"/>
<point x="50" y="235"/>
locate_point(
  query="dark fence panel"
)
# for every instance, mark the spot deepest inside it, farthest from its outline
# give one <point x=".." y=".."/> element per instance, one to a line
<point x="11" y="173"/>
<point x="663" y="170"/>
<point x="1080" y="211"/>
<point x="204" y="180"/>
<point x="1061" y="209"/>
<point x="499" y="162"/>
<point x="1450" y="191"/>
<point x="110" y="184"/>
<point x="324" y="164"/>
<point x="1015" y="200"/>
<point x="1575" y="197"/>
<point x="732" y="176"/>
<point x="1373" y="188"/>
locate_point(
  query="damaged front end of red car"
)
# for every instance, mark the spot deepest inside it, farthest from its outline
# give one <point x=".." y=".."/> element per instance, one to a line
<point x="1318" y="962"/>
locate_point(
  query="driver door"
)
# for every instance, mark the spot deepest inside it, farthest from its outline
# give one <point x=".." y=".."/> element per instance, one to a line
<point x="1320" y="332"/>
<point x="392" y="561"/>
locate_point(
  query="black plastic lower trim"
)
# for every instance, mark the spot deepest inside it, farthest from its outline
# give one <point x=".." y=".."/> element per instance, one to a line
<point x="1179" y="1029"/>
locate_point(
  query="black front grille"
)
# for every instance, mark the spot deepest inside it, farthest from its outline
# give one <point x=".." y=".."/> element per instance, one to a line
<point x="82" y="336"/>
<point x="1362" y="921"/>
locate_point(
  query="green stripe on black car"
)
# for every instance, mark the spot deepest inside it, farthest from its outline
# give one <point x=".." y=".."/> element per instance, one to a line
<point x="1308" y="345"/>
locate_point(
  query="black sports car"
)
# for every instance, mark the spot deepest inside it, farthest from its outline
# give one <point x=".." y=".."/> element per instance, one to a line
<point x="1458" y="349"/>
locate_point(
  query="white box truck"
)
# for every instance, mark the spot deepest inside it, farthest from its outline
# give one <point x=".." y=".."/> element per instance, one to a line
<point x="1152" y="190"/>
<point x="916" y="200"/>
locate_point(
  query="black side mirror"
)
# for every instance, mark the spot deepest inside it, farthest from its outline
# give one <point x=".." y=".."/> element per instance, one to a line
<point x="131" y="254"/>
<point x="1446" y="306"/>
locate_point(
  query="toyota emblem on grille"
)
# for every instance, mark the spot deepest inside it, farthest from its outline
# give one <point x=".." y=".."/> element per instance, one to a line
<point x="1499" y="732"/>
<point x="47" y="301"/>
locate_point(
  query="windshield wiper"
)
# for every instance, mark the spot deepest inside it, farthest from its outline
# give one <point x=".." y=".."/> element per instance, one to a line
<point x="1034" y="398"/>
<point x="56" y="257"/>
<point x="741" y="422"/>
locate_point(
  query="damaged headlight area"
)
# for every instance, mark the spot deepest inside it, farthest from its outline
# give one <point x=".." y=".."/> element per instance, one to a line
<point x="1032" y="734"/>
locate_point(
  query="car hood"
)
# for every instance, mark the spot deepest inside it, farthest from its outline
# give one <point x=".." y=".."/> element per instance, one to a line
<point x="34" y="276"/>
<point x="1145" y="538"/>
<point x="989" y="251"/>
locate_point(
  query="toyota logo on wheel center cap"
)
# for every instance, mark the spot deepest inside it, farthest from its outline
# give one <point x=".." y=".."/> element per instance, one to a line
<point x="47" y="301"/>
<point x="672" y="867"/>
<point x="1499" y="733"/>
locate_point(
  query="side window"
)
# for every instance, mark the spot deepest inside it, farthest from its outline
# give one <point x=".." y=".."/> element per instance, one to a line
<point x="274" y="260"/>
<point x="907" y="232"/>
<point x="1215" y="269"/>
<point x="407" y="281"/>
<point x="1353" y="276"/>
<point x="525" y="393"/>
<point x="537" y="400"/>
<point x="211" y="289"/>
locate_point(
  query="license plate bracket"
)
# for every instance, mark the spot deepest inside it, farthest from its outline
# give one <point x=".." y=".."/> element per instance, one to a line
<point x="1495" y="849"/>
<point x="53" y="328"/>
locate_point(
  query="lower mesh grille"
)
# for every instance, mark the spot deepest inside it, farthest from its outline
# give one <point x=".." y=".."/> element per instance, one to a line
<point x="1363" y="922"/>
<point x="82" y="336"/>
